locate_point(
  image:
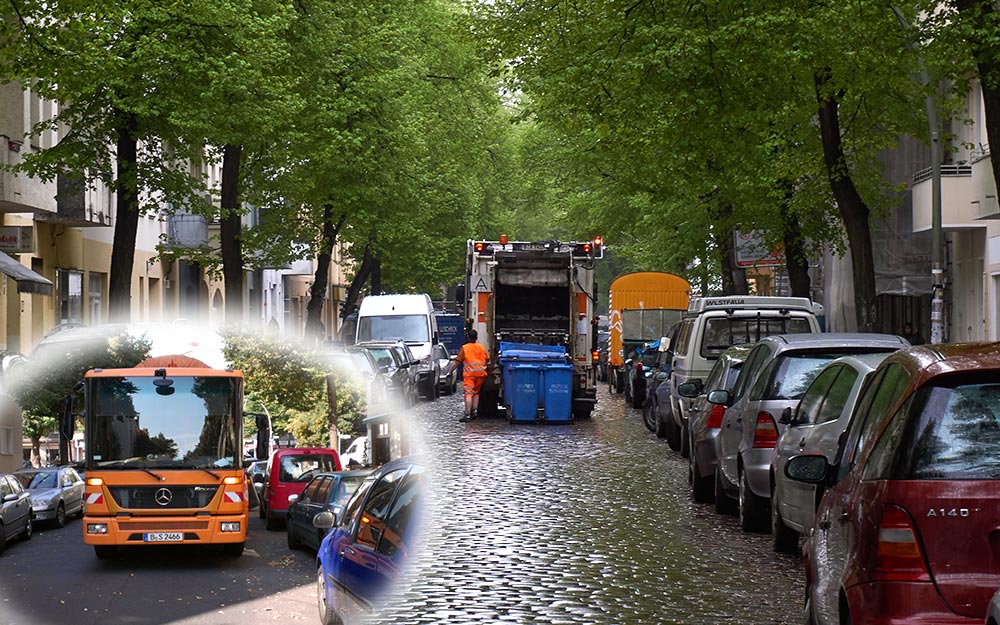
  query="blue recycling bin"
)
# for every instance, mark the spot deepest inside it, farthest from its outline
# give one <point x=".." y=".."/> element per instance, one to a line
<point x="557" y="386"/>
<point x="522" y="391"/>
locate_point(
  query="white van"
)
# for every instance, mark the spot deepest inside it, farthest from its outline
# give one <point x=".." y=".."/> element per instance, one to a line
<point x="407" y="318"/>
<point x="714" y="324"/>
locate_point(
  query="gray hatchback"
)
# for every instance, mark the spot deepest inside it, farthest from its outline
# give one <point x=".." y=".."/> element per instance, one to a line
<point x="775" y="375"/>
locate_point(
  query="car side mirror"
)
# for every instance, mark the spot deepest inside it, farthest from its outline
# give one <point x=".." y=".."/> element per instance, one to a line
<point x="786" y="417"/>
<point x="719" y="397"/>
<point x="292" y="499"/>
<point x="662" y="375"/>
<point x="324" y="520"/>
<point x="807" y="468"/>
<point x="453" y="357"/>
<point x="688" y="389"/>
<point x="10" y="497"/>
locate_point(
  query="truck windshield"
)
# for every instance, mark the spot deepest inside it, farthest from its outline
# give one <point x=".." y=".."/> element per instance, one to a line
<point x="191" y="423"/>
<point x="411" y="328"/>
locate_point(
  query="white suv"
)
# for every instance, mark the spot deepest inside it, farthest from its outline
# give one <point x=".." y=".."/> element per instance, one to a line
<point x="712" y="325"/>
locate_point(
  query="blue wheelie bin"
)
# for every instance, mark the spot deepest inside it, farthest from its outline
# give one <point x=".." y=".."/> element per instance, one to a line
<point x="557" y="386"/>
<point x="522" y="391"/>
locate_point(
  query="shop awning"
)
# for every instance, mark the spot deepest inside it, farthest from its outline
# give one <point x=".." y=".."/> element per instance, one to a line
<point x="27" y="280"/>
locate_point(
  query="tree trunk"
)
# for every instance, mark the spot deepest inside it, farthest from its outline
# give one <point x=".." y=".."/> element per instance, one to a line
<point x="796" y="260"/>
<point x="376" y="275"/>
<point x="317" y="292"/>
<point x="331" y="415"/>
<point x="360" y="278"/>
<point x="231" y="228"/>
<point x="853" y="210"/>
<point x="734" y="277"/>
<point x="36" y="451"/>
<point x="126" y="220"/>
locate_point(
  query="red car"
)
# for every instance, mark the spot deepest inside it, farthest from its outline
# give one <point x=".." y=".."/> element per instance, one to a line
<point x="288" y="472"/>
<point x="909" y="530"/>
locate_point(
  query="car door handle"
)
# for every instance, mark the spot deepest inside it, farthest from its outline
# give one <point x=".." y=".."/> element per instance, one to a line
<point x="802" y="443"/>
<point x="346" y="551"/>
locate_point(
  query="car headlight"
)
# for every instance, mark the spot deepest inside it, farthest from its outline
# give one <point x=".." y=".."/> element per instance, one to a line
<point x="425" y="363"/>
<point x="41" y="502"/>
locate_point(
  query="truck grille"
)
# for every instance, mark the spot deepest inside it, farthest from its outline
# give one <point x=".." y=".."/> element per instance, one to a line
<point x="162" y="497"/>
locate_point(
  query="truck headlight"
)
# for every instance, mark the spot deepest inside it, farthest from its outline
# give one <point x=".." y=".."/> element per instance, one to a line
<point x="97" y="528"/>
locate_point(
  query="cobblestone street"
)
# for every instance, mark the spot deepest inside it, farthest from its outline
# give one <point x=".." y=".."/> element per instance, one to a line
<point x="589" y="523"/>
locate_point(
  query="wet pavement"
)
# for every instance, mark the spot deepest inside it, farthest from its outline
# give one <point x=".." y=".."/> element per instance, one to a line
<point x="586" y="523"/>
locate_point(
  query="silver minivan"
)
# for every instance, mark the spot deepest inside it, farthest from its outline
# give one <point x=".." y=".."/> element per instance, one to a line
<point x="776" y="373"/>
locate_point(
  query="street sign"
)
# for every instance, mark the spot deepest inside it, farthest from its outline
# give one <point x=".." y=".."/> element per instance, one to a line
<point x="751" y="251"/>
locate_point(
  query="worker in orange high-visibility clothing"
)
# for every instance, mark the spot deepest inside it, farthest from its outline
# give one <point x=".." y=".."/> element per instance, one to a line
<point x="473" y="357"/>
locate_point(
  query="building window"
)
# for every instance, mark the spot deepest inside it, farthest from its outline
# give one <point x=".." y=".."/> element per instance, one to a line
<point x="95" y="288"/>
<point x="70" y="295"/>
<point x="6" y="441"/>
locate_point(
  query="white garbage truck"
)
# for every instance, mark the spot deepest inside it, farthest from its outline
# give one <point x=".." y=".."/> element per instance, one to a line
<point x="540" y="293"/>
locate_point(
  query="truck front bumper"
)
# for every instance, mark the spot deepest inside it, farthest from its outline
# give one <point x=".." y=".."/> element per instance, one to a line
<point x="137" y="530"/>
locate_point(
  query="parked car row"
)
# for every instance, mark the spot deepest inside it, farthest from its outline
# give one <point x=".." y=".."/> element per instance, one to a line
<point x="49" y="495"/>
<point x="884" y="457"/>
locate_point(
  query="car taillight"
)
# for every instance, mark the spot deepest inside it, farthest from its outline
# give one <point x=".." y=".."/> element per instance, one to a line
<point x="766" y="433"/>
<point x="715" y="416"/>
<point x="898" y="556"/>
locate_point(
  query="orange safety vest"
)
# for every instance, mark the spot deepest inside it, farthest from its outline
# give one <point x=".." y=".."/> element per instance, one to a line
<point x="473" y="357"/>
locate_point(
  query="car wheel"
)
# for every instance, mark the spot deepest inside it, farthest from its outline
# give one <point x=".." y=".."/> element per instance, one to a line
<point x="233" y="550"/>
<point x="783" y="538"/>
<point x="661" y="424"/>
<point x="685" y="441"/>
<point x="751" y="508"/>
<point x="293" y="540"/>
<point x="26" y="534"/>
<point x="638" y="399"/>
<point x="105" y="552"/>
<point x="673" y="434"/>
<point x="261" y="511"/>
<point x="327" y="616"/>
<point x="702" y="488"/>
<point x="724" y="504"/>
<point x="649" y="416"/>
<point x="619" y="381"/>
<point x="60" y="520"/>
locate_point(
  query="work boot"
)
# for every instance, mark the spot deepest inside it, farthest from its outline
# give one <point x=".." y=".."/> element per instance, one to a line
<point x="465" y="419"/>
<point x="475" y="413"/>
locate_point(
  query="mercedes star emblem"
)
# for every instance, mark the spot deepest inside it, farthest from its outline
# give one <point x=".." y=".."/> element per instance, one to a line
<point x="163" y="496"/>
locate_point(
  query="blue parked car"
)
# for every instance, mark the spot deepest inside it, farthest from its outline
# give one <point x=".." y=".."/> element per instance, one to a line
<point x="325" y="492"/>
<point x="370" y="544"/>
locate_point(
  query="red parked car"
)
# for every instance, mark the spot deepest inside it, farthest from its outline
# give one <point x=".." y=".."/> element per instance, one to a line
<point x="909" y="530"/>
<point x="288" y="472"/>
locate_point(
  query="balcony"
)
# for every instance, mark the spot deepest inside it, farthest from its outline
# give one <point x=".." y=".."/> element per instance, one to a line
<point x="72" y="205"/>
<point x="967" y="197"/>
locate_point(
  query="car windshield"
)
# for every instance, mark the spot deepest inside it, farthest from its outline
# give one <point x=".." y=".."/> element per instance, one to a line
<point x="140" y="422"/>
<point x="723" y="332"/>
<point x="954" y="433"/>
<point x="42" y="479"/>
<point x="302" y="467"/>
<point x="792" y="375"/>
<point x="346" y="488"/>
<point x="411" y="328"/>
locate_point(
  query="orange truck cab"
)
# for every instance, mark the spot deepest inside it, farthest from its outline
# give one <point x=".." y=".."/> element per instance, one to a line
<point x="164" y="457"/>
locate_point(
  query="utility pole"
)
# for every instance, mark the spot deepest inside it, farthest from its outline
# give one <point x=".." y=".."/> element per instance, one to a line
<point x="937" y="237"/>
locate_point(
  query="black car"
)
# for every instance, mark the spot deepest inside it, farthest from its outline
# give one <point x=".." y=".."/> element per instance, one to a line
<point x="325" y="492"/>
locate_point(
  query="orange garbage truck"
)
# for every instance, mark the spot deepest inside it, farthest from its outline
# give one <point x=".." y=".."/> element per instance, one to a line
<point x="642" y="307"/>
<point x="164" y="456"/>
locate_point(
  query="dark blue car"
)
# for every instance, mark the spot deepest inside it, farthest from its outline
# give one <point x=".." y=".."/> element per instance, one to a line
<point x="371" y="542"/>
<point x="325" y="492"/>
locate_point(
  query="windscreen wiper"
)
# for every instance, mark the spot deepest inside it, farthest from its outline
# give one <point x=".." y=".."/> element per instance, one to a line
<point x="121" y="464"/>
<point x="212" y="473"/>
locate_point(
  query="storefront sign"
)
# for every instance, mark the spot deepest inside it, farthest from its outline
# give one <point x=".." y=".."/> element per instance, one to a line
<point x="17" y="239"/>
